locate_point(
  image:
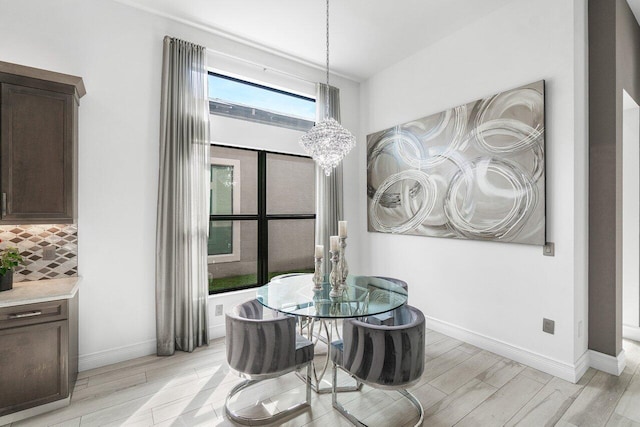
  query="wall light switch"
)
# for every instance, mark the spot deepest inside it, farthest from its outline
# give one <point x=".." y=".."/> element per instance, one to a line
<point x="218" y="310"/>
<point x="49" y="253"/>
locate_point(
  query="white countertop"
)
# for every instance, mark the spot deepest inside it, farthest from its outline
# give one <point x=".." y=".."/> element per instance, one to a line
<point x="39" y="291"/>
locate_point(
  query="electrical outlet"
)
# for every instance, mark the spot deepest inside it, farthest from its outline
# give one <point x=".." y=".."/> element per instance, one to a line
<point x="218" y="309"/>
<point x="49" y="253"/>
<point x="549" y="249"/>
<point x="548" y="326"/>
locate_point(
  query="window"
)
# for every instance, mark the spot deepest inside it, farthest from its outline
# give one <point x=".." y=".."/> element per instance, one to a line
<point x="262" y="217"/>
<point x="224" y="200"/>
<point x="241" y="99"/>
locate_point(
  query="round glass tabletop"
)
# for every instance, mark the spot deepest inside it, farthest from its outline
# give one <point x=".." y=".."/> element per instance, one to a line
<point x="362" y="296"/>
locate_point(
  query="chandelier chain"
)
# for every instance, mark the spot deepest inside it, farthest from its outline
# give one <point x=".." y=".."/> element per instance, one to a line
<point x="328" y="142"/>
<point x="327" y="40"/>
<point x="326" y="101"/>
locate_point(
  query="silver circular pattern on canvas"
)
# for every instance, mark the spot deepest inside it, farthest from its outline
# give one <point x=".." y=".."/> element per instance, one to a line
<point x="410" y="151"/>
<point x="496" y="120"/>
<point x="427" y="191"/>
<point x="505" y="137"/>
<point x="466" y="216"/>
<point x="407" y="144"/>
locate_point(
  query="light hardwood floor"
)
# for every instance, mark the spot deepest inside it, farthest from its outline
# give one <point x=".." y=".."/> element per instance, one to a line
<point x="462" y="385"/>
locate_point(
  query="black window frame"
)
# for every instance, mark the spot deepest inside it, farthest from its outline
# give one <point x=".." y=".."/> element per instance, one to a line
<point x="262" y="217"/>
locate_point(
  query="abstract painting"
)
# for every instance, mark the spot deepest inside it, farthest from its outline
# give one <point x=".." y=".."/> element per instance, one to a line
<point x="476" y="171"/>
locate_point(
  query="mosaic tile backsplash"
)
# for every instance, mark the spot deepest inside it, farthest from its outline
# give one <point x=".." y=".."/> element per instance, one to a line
<point x="30" y="241"/>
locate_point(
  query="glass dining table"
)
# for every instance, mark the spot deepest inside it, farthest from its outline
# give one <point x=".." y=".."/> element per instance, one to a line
<point x="362" y="296"/>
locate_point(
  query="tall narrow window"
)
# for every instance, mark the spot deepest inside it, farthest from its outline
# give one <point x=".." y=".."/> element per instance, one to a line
<point x="262" y="212"/>
<point x="224" y="236"/>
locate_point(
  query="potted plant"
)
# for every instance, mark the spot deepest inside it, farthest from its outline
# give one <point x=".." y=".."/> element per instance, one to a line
<point x="9" y="258"/>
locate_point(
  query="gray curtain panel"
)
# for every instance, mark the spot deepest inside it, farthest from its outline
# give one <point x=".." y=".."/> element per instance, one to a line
<point x="183" y="205"/>
<point x="329" y="200"/>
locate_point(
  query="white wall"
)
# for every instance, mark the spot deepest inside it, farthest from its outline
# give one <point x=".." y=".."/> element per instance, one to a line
<point x="630" y="213"/>
<point x="496" y="294"/>
<point x="118" y="52"/>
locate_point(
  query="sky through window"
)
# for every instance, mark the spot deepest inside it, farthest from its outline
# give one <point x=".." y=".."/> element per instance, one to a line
<point x="225" y="89"/>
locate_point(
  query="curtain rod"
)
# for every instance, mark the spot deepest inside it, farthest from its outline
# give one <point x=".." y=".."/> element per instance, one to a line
<point x="262" y="66"/>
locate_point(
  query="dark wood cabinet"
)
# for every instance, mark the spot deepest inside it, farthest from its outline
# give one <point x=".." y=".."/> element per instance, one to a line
<point x="38" y="145"/>
<point x="38" y="353"/>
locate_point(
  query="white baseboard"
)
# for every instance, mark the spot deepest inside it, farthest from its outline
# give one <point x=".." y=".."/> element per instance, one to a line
<point x="566" y="371"/>
<point x="120" y="354"/>
<point x="582" y="364"/>
<point x="217" y="331"/>
<point x="115" y="355"/>
<point x="631" y="332"/>
<point x="607" y="363"/>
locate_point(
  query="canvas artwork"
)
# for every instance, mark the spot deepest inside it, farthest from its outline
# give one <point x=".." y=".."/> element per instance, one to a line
<point x="476" y="171"/>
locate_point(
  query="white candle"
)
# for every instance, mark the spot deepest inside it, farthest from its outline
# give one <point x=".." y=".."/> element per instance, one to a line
<point x="342" y="228"/>
<point x="335" y="243"/>
<point x="319" y="251"/>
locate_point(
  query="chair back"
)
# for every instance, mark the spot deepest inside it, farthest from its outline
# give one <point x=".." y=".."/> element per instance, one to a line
<point x="387" y="356"/>
<point x="402" y="283"/>
<point x="259" y="346"/>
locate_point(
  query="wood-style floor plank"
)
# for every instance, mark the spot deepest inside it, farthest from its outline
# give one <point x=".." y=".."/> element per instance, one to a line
<point x="458" y="404"/>
<point x="548" y="405"/>
<point x="497" y="409"/>
<point x="461" y="385"/>
<point x="598" y="399"/>
<point x="465" y="371"/>
<point x="629" y="404"/>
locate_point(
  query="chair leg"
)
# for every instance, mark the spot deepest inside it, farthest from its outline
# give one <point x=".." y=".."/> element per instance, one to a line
<point x="357" y="422"/>
<point x="240" y="419"/>
<point x="308" y="386"/>
<point x="415" y="403"/>
<point x="337" y="405"/>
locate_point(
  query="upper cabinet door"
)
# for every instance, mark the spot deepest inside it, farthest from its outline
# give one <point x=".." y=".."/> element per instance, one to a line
<point x="37" y="132"/>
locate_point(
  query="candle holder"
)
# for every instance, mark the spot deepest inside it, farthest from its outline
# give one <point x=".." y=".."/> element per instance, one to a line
<point x="317" y="274"/>
<point x="334" y="277"/>
<point x="343" y="267"/>
<point x="317" y="300"/>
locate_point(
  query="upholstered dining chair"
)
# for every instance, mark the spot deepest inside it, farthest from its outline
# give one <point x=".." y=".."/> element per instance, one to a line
<point x="402" y="283"/>
<point x="260" y="348"/>
<point x="385" y="357"/>
<point x="389" y="318"/>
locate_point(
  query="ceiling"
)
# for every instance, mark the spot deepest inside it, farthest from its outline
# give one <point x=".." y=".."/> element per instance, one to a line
<point x="366" y="36"/>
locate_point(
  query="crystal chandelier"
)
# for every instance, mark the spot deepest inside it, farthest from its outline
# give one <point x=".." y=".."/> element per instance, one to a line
<point x="328" y="142"/>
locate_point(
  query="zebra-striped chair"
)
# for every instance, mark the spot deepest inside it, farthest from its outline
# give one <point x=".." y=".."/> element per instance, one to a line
<point x="260" y="348"/>
<point x="386" y="357"/>
<point x="395" y="316"/>
<point x="402" y="283"/>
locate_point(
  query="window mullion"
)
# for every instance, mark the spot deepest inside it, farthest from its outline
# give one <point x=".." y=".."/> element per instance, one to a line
<point x="263" y="226"/>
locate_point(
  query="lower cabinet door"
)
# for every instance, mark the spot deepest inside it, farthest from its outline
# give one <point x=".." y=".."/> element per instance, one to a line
<point x="33" y="365"/>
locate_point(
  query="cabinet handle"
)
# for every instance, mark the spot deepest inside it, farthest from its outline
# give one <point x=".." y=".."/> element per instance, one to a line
<point x="27" y="314"/>
<point x="4" y="204"/>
